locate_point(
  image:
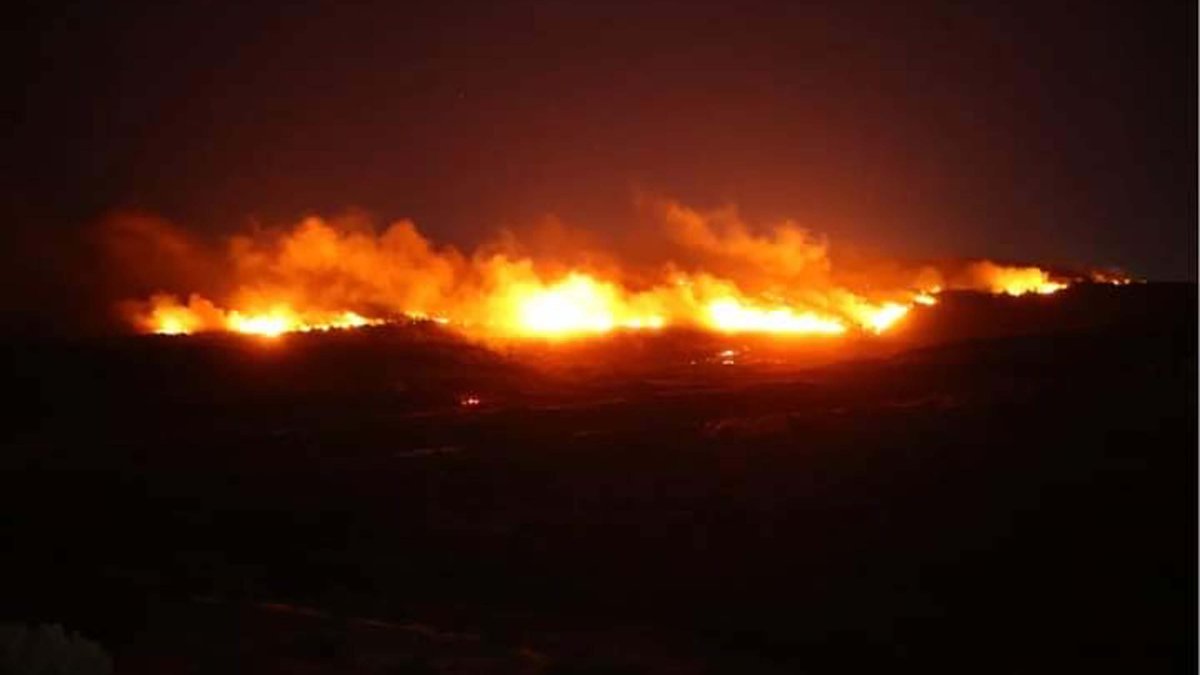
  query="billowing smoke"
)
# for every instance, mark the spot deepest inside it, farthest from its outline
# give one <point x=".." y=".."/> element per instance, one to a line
<point x="701" y="269"/>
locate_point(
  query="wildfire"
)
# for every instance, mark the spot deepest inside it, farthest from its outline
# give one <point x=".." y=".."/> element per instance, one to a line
<point x="322" y="276"/>
<point x="577" y="304"/>
<point x="731" y="316"/>
<point x="167" y="316"/>
<point x="282" y="320"/>
<point x="928" y="299"/>
<point x="1112" y="277"/>
<point x="1015" y="281"/>
<point x="883" y="318"/>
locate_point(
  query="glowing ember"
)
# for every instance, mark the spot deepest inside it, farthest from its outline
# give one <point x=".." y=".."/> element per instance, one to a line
<point x="1111" y="277"/>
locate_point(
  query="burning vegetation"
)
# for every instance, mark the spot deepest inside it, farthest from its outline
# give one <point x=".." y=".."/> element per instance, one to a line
<point x="714" y="273"/>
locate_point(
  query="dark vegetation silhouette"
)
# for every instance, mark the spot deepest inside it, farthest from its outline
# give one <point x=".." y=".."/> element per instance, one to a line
<point x="48" y="649"/>
<point x="1009" y="485"/>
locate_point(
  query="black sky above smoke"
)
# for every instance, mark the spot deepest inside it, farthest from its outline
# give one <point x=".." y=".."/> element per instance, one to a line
<point x="1008" y="130"/>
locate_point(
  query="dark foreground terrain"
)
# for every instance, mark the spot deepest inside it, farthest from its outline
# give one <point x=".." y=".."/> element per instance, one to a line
<point x="1004" y="486"/>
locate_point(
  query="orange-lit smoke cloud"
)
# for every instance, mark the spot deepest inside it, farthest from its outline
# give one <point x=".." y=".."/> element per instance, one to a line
<point x="714" y="271"/>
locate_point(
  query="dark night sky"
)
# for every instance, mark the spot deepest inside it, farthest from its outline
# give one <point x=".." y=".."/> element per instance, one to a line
<point x="1055" y="132"/>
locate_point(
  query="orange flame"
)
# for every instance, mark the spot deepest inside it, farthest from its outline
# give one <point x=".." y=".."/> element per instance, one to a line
<point x="167" y="316"/>
<point x="1015" y="281"/>
<point x="730" y="315"/>
<point x="323" y="275"/>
